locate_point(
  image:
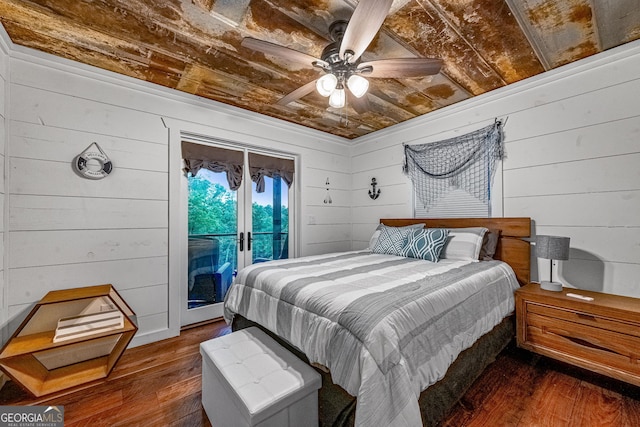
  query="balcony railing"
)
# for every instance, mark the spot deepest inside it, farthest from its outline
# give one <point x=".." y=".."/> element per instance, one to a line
<point x="224" y="246"/>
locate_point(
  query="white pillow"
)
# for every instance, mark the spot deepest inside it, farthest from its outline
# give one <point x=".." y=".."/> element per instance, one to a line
<point x="463" y="244"/>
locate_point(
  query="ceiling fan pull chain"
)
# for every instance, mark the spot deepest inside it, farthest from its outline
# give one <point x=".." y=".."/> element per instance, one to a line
<point x="345" y="111"/>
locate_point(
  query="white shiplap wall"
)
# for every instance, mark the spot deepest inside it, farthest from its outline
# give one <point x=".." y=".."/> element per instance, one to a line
<point x="573" y="156"/>
<point x="4" y="102"/>
<point x="66" y="231"/>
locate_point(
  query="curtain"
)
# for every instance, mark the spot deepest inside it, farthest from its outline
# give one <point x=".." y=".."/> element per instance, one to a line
<point x="198" y="156"/>
<point x="465" y="162"/>
<point x="272" y="167"/>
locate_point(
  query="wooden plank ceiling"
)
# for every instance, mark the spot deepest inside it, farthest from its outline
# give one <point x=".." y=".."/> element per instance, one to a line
<point x="194" y="46"/>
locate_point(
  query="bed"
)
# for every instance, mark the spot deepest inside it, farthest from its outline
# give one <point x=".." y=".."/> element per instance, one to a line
<point x="404" y="335"/>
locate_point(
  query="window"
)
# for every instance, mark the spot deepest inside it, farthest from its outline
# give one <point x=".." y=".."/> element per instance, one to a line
<point x="454" y="177"/>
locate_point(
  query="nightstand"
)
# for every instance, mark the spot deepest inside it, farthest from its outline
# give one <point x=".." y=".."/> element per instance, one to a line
<point x="602" y="335"/>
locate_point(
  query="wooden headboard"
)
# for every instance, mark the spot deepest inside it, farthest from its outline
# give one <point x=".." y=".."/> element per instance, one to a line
<point x="511" y="248"/>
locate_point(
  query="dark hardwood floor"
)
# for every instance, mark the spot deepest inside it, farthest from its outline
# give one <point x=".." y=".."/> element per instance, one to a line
<point x="159" y="385"/>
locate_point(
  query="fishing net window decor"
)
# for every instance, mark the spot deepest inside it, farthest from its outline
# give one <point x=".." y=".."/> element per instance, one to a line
<point x="465" y="162"/>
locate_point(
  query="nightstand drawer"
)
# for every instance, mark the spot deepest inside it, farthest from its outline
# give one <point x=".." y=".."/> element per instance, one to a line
<point x="601" y="334"/>
<point x="627" y="328"/>
<point x="585" y="345"/>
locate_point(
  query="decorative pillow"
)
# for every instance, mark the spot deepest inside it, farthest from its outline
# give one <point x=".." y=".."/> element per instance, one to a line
<point x="374" y="237"/>
<point x="463" y="244"/>
<point x="489" y="244"/>
<point x="392" y="239"/>
<point x="426" y="243"/>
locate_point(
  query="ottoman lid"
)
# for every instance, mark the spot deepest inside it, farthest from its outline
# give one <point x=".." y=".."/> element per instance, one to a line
<point x="264" y="375"/>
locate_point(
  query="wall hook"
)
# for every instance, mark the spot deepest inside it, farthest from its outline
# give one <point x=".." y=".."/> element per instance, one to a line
<point x="373" y="193"/>
<point x="327" y="197"/>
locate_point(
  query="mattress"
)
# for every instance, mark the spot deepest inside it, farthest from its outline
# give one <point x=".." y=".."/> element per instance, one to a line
<point x="386" y="327"/>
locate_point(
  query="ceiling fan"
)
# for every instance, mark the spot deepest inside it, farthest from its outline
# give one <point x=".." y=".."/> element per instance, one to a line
<point x="340" y="60"/>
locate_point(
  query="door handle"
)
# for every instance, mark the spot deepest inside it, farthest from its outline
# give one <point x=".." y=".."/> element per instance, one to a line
<point x="241" y="241"/>
<point x="248" y="240"/>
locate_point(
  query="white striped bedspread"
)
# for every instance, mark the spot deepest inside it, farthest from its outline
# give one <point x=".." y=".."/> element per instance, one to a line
<point x="387" y="327"/>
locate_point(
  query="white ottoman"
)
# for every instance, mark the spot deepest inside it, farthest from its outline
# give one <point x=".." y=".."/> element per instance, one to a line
<point x="248" y="379"/>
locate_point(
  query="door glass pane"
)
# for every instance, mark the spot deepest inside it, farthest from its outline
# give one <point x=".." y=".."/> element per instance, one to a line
<point x="213" y="226"/>
<point x="270" y="214"/>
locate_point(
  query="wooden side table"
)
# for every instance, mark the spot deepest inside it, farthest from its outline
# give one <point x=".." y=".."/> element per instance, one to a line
<point x="44" y="357"/>
<point x="602" y="334"/>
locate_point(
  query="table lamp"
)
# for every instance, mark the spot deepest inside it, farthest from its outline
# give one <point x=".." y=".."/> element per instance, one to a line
<point x="552" y="247"/>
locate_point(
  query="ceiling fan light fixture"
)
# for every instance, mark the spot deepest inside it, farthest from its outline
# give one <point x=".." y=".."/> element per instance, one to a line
<point x="358" y="85"/>
<point x="338" y="98"/>
<point x="326" y="84"/>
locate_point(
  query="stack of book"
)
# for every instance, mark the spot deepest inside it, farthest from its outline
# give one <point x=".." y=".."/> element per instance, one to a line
<point x="70" y="328"/>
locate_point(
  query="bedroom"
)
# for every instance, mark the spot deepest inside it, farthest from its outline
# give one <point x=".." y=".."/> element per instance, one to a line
<point x="572" y="153"/>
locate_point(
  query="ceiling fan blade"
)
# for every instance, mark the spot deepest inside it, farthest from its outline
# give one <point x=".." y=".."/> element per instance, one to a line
<point x="402" y="67"/>
<point x="298" y="93"/>
<point x="285" y="53"/>
<point x="361" y="105"/>
<point x="363" y="26"/>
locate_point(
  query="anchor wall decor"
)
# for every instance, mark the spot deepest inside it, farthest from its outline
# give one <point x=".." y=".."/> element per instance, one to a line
<point x="373" y="193"/>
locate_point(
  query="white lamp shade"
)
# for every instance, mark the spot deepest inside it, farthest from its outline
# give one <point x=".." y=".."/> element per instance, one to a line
<point x="337" y="98"/>
<point x="358" y="85"/>
<point x="326" y="84"/>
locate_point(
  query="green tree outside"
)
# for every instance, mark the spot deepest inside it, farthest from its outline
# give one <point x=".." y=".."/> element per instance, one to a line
<point x="213" y="210"/>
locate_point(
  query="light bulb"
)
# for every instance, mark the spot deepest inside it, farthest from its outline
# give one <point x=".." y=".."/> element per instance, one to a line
<point x="326" y="84"/>
<point x="337" y="98"/>
<point x="358" y="85"/>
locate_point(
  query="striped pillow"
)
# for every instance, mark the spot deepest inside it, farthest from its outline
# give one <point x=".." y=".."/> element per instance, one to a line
<point x="425" y="244"/>
<point x="463" y="244"/>
<point x="391" y="240"/>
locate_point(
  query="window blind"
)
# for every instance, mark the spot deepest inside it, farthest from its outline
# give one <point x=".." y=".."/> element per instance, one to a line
<point x="455" y="204"/>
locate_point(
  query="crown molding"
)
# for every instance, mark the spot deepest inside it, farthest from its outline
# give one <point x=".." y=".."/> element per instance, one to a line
<point x="6" y="45"/>
<point x="605" y="58"/>
<point x="73" y="67"/>
<point x="570" y="70"/>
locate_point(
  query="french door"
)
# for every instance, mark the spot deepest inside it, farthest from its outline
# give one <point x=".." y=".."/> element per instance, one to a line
<point x="228" y="230"/>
